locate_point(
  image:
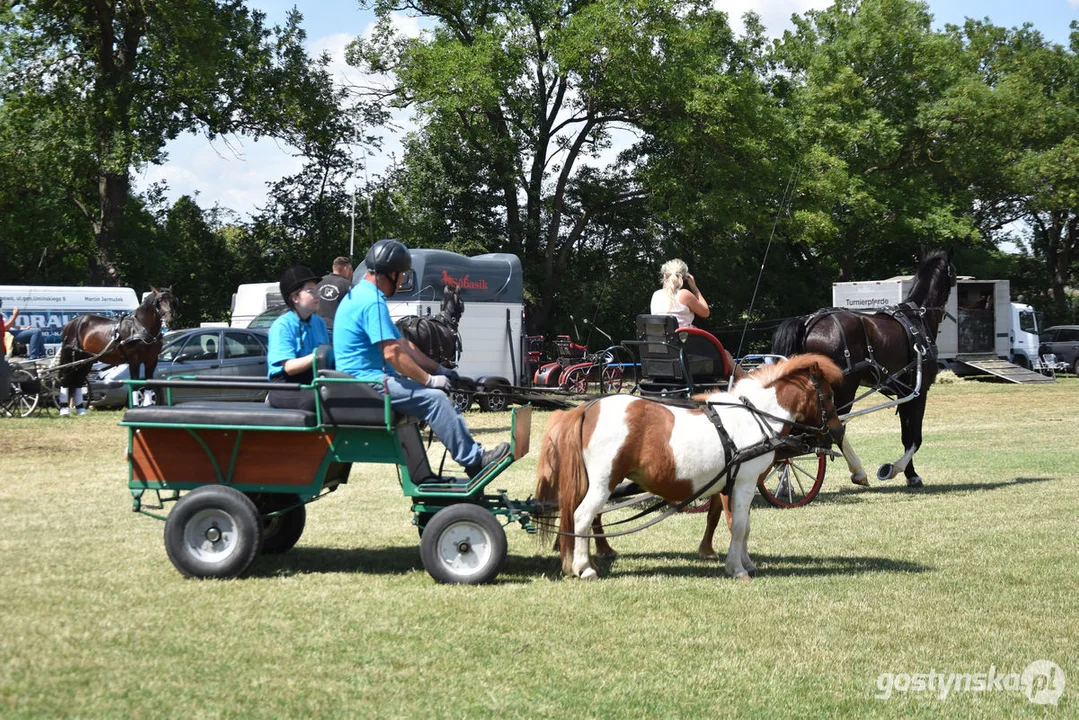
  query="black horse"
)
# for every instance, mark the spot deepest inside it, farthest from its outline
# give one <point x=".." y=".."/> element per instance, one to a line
<point x="134" y="339"/>
<point x="437" y="337"/>
<point x="882" y="348"/>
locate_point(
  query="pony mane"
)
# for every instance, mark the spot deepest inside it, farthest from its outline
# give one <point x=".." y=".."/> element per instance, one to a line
<point x="825" y="368"/>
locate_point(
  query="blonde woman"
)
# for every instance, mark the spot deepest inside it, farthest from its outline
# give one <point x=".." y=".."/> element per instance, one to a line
<point x="679" y="295"/>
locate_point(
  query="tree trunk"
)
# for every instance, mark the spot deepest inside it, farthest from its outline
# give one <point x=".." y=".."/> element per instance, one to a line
<point x="113" y="190"/>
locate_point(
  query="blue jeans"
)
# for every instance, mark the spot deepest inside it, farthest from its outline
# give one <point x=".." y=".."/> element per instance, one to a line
<point x="435" y="407"/>
<point x="33" y="339"/>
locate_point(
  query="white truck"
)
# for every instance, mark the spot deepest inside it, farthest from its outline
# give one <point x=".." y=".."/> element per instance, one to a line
<point x="492" y="326"/>
<point x="251" y="299"/>
<point x="982" y="332"/>
<point x="50" y="307"/>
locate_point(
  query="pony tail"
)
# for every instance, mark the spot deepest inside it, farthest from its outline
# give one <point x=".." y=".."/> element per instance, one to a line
<point x="547" y="467"/>
<point x="561" y="477"/>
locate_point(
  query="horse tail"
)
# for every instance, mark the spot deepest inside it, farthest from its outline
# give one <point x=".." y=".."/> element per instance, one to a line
<point x="561" y="476"/>
<point x="790" y="337"/>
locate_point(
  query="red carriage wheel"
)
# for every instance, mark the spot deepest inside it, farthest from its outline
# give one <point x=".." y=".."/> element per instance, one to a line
<point x="576" y="381"/>
<point x="794" y="482"/>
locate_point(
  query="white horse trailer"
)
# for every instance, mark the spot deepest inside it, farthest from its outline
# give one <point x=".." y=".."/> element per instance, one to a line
<point x="492" y="326"/>
<point x="981" y="332"/>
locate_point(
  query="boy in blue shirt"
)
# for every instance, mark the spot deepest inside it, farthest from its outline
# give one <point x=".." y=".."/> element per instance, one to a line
<point x="368" y="346"/>
<point x="294" y="337"/>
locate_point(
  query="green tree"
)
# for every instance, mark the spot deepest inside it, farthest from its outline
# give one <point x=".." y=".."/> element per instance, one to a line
<point x="861" y="77"/>
<point x="92" y="90"/>
<point x="516" y="106"/>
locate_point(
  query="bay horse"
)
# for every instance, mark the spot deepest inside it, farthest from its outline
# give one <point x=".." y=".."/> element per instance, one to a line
<point x="881" y="348"/>
<point x="134" y="339"/>
<point x="679" y="453"/>
<point x="437" y="337"/>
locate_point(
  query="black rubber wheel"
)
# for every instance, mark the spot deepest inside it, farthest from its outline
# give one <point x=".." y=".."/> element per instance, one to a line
<point x="1075" y="367"/>
<point x="463" y="545"/>
<point x="461" y="400"/>
<point x="280" y="532"/>
<point x="494" y="400"/>
<point x="794" y="482"/>
<point x="213" y="532"/>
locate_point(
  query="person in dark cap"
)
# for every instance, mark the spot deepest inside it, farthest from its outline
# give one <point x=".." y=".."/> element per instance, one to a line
<point x="368" y="346"/>
<point x="294" y="337"/>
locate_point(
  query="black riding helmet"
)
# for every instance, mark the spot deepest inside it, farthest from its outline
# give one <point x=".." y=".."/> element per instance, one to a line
<point x="388" y="256"/>
<point x="294" y="278"/>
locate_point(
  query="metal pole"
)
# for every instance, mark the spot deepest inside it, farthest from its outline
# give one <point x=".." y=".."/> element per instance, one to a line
<point x="352" y="236"/>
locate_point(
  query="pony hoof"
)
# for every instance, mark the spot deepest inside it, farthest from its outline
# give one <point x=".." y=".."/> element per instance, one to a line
<point x="589" y="574"/>
<point x="860" y="479"/>
<point x="743" y="577"/>
<point x="608" y="554"/>
<point x="713" y="556"/>
<point x="886" y="472"/>
<point x="914" y="482"/>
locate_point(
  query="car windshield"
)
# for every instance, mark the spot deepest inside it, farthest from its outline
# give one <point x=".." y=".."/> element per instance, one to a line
<point x="266" y="318"/>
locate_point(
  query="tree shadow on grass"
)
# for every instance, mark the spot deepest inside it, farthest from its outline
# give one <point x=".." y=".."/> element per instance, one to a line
<point x="528" y="568"/>
<point x="898" y="486"/>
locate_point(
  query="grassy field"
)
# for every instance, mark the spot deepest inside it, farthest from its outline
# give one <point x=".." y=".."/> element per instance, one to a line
<point x="978" y="570"/>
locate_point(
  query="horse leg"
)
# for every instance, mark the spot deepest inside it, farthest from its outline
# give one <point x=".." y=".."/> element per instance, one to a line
<point x="910" y="421"/>
<point x="586" y="512"/>
<point x="720" y="503"/>
<point x="738" y="563"/>
<point x="603" y="548"/>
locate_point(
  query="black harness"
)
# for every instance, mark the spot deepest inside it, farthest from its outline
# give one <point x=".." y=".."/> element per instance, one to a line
<point x="794" y="444"/>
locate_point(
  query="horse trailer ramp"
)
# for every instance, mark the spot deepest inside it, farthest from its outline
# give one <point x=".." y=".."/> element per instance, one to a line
<point x="1002" y="369"/>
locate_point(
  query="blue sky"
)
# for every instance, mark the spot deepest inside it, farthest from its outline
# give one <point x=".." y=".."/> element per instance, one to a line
<point x="234" y="172"/>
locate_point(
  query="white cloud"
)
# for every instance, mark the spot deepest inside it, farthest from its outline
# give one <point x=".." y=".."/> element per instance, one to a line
<point x="774" y="14"/>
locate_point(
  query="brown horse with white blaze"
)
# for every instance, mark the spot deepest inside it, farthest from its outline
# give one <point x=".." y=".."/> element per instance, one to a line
<point x="677" y="452"/>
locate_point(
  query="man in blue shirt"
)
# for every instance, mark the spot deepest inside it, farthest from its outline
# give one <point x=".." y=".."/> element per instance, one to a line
<point x="293" y="338"/>
<point x="368" y="346"/>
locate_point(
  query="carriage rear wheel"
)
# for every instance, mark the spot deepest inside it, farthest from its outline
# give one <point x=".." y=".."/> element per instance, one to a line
<point x="576" y="381"/>
<point x="794" y="482"/>
<point x="461" y="400"/>
<point x="25" y="394"/>
<point x="213" y="532"/>
<point x="611" y="380"/>
<point x="280" y="532"/>
<point x="463" y="544"/>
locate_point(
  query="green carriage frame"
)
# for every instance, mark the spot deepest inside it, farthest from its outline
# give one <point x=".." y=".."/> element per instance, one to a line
<point x="239" y="478"/>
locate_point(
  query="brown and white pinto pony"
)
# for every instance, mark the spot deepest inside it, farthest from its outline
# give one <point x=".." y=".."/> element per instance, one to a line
<point x="673" y="452"/>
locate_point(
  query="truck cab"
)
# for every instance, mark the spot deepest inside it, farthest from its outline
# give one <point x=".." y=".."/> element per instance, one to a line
<point x="1023" y="337"/>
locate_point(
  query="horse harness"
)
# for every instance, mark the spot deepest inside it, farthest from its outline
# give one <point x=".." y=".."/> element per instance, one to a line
<point x="912" y="319"/>
<point x="732" y="456"/>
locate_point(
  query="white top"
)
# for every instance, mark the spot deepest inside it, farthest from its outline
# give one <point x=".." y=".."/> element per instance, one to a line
<point x="662" y="304"/>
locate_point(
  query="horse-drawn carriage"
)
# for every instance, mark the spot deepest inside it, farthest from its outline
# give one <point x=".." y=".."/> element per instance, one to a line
<point x="241" y="475"/>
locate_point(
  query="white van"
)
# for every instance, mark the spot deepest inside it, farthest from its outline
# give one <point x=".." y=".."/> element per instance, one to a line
<point x="51" y="307"/>
<point x="492" y="326"/>
<point x="251" y="299"/>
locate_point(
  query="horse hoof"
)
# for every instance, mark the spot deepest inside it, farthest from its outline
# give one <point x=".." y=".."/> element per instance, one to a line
<point x="743" y="577"/>
<point x="589" y="574"/>
<point x="886" y="472"/>
<point x="608" y="554"/>
<point x="751" y="570"/>
<point x="914" y="482"/>
<point x="713" y="556"/>
<point x="860" y="479"/>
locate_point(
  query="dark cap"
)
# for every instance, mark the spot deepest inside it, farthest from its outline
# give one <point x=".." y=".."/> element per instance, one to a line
<point x="294" y="278"/>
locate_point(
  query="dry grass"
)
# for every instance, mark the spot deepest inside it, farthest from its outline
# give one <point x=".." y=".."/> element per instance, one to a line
<point x="977" y="569"/>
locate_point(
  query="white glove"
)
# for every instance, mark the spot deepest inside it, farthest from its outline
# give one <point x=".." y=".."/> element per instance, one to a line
<point x="438" y="382"/>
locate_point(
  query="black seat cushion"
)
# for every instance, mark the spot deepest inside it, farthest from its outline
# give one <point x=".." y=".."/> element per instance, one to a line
<point x="209" y="412"/>
<point x="352" y="403"/>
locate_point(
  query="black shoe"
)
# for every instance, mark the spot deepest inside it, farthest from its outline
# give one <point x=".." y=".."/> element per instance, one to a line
<point x="493" y="455"/>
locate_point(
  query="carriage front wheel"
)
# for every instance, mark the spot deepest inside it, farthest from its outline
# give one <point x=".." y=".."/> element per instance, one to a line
<point x="213" y="532"/>
<point x="463" y="544"/>
<point x="794" y="482"/>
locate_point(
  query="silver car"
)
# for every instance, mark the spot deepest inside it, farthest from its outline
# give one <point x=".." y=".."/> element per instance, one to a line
<point x="223" y="353"/>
